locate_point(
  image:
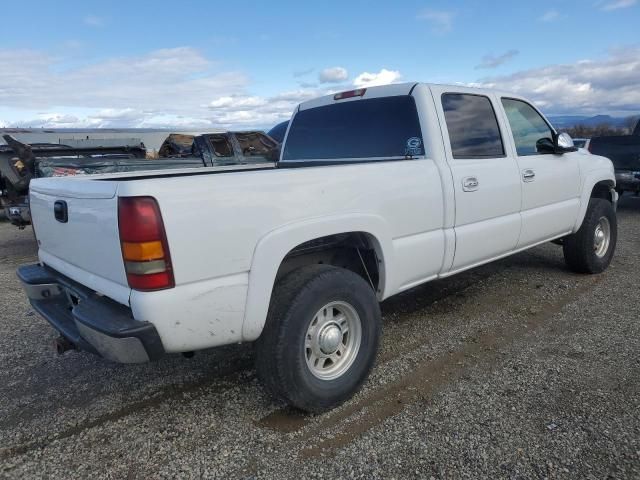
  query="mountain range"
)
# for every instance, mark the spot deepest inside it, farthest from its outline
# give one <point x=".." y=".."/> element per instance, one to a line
<point x="568" y="121"/>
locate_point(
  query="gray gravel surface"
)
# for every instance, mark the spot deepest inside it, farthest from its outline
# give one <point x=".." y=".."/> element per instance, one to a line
<point x="518" y="369"/>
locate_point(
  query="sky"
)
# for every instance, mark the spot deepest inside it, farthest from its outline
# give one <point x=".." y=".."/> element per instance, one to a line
<point x="245" y="64"/>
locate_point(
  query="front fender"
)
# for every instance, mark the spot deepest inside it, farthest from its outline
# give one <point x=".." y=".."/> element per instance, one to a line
<point x="275" y="245"/>
<point x="591" y="179"/>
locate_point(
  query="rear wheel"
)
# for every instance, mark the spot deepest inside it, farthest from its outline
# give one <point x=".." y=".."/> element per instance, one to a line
<point x="591" y="248"/>
<point x="321" y="337"/>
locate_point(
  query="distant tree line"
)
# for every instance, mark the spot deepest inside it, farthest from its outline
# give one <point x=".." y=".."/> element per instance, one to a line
<point x="603" y="129"/>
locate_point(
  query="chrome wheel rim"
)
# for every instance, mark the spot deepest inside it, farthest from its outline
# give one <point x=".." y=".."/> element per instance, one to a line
<point x="602" y="237"/>
<point x="332" y="340"/>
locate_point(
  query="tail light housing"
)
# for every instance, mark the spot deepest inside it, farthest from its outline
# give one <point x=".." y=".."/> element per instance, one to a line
<point x="143" y="240"/>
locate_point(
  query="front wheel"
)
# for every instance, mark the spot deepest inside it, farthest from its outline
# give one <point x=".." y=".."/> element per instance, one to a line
<point x="591" y="248"/>
<point x="320" y="339"/>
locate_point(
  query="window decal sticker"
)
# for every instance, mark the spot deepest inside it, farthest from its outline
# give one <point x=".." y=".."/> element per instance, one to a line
<point x="414" y="147"/>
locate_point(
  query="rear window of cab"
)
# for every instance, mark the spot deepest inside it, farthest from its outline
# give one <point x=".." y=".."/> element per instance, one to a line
<point x="376" y="128"/>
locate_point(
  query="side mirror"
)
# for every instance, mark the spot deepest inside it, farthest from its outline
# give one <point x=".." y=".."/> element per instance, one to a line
<point x="564" y="143"/>
<point x="560" y="144"/>
<point x="545" y="145"/>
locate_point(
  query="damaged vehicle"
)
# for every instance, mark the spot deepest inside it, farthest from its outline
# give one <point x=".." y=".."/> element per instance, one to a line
<point x="279" y="131"/>
<point x="20" y="162"/>
<point x="220" y="149"/>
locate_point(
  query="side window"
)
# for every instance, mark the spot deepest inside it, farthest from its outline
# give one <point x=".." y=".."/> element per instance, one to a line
<point x="220" y="146"/>
<point x="255" y="145"/>
<point x="527" y="126"/>
<point x="472" y="125"/>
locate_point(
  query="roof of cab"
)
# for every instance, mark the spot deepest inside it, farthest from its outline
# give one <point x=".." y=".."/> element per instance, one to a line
<point x="397" y="89"/>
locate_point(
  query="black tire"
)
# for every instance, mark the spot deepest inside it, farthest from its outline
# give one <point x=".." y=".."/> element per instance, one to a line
<point x="579" y="251"/>
<point x="281" y="354"/>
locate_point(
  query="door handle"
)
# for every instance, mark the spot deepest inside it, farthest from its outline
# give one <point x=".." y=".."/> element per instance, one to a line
<point x="470" y="184"/>
<point x="528" y="175"/>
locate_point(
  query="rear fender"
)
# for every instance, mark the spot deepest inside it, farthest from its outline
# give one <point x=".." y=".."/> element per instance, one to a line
<point x="274" y="246"/>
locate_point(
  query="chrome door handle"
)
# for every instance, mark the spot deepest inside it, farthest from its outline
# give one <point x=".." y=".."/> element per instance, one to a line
<point x="470" y="184"/>
<point x="528" y="175"/>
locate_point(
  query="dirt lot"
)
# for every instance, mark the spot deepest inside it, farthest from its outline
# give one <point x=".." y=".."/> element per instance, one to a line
<point x="518" y="369"/>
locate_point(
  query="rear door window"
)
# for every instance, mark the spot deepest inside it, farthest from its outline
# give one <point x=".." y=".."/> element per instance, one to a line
<point x="376" y="128"/>
<point x="472" y="126"/>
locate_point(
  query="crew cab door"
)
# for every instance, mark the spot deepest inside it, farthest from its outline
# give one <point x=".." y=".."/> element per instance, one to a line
<point x="486" y="179"/>
<point x="550" y="183"/>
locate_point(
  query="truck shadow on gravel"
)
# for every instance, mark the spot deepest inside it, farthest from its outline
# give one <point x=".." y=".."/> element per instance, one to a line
<point x="77" y="381"/>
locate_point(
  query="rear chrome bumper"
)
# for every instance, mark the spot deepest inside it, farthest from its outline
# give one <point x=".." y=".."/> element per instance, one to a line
<point x="91" y="322"/>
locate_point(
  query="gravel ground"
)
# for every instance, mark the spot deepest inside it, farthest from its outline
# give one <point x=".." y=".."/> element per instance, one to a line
<point x="518" y="369"/>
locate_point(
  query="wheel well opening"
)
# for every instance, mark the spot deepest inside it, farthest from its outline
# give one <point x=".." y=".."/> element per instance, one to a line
<point x="603" y="190"/>
<point x="355" y="251"/>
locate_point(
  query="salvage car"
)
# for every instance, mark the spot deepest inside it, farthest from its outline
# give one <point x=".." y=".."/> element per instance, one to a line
<point x="377" y="190"/>
<point x="279" y="131"/>
<point x="20" y="162"/>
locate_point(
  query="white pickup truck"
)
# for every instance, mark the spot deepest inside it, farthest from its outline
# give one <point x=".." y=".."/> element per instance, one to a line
<point x="377" y="190"/>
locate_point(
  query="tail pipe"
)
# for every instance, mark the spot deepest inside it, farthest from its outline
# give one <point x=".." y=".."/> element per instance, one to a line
<point x="62" y="344"/>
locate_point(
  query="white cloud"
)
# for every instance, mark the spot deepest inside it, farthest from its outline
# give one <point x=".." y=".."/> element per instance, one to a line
<point x="605" y="85"/>
<point x="383" y="77"/>
<point x="166" y="88"/>
<point x="93" y="21"/>
<point x="441" y="21"/>
<point x="333" y="75"/>
<point x="494" y="61"/>
<point x="237" y="101"/>
<point x="177" y="82"/>
<point x="618" y="4"/>
<point x="550" y="16"/>
<point x="181" y="88"/>
<point x="108" y="118"/>
<point x="245" y="111"/>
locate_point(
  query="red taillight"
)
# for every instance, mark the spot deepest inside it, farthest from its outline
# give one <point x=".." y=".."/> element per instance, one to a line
<point x="144" y="244"/>
<point x="150" y="281"/>
<point x="139" y="219"/>
<point x="350" y="94"/>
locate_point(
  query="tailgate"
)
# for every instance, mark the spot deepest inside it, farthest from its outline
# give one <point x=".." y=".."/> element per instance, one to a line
<point x="85" y="247"/>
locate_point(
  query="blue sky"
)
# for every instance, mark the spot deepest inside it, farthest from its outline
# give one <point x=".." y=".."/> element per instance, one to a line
<point x="247" y="63"/>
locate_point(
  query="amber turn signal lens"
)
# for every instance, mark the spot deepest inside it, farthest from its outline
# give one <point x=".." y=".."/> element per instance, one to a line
<point x="142" y="251"/>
